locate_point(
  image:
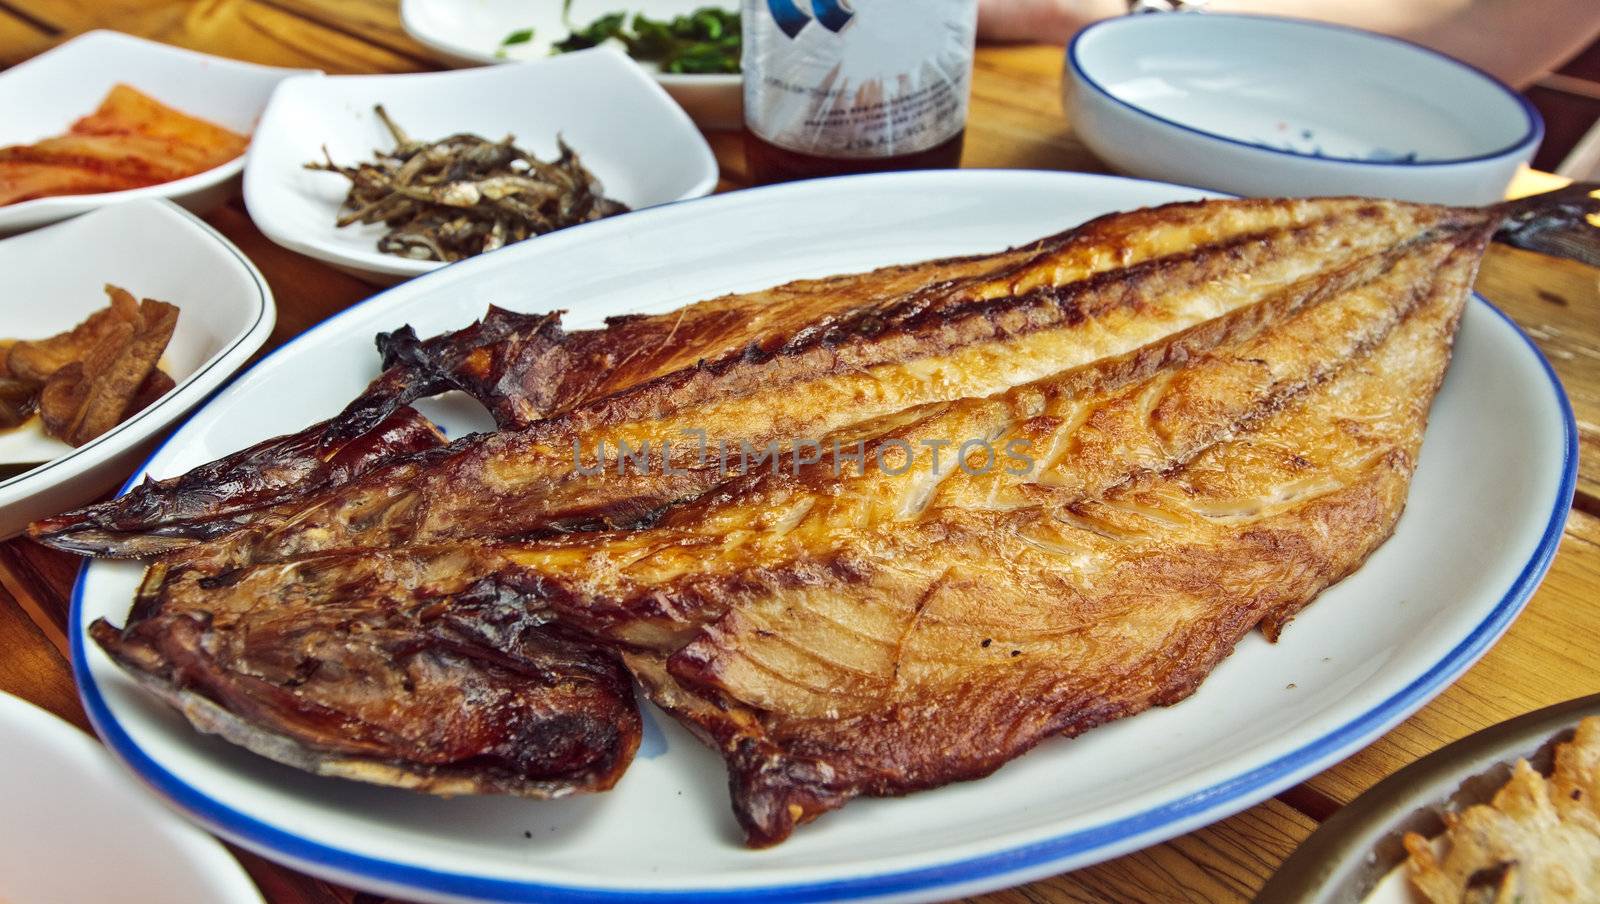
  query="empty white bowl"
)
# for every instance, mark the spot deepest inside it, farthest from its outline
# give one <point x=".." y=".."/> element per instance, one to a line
<point x="82" y="829"/>
<point x="1262" y="106"/>
<point x="471" y="34"/>
<point x="45" y="95"/>
<point x="55" y="278"/>
<point x="624" y="127"/>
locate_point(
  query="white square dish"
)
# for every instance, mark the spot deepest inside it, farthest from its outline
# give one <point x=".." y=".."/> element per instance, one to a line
<point x="55" y="278"/>
<point x="624" y="127"/>
<point x="45" y="95"/>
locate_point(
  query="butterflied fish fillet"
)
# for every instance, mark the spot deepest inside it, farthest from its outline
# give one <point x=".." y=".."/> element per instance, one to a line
<point x="1105" y="289"/>
<point x="877" y="631"/>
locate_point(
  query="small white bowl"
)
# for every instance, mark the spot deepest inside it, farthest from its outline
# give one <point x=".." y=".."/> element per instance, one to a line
<point x="1261" y="106"/>
<point x="45" y="95"/>
<point x="82" y="829"/>
<point x="470" y="34"/>
<point x="55" y="278"/>
<point x="623" y="126"/>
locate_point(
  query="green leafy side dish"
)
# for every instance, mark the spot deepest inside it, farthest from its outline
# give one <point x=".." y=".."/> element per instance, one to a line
<point x="703" y="42"/>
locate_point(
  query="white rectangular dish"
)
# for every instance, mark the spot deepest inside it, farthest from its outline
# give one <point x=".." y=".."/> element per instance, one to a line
<point x="56" y="277"/>
<point x="623" y="126"/>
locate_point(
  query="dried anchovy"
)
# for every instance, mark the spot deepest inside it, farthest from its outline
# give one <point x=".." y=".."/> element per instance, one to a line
<point x="464" y="195"/>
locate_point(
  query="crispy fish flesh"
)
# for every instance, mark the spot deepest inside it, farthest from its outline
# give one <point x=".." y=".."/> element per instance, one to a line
<point x="1109" y="287"/>
<point x="1536" y="840"/>
<point x="487" y="698"/>
<point x="880" y="631"/>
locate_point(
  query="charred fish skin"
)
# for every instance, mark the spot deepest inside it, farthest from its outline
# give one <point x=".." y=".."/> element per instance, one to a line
<point x="1104" y="289"/>
<point x="485" y="696"/>
<point x="521" y="367"/>
<point x="505" y="361"/>
<point x="710" y="601"/>
<point x="159" y="516"/>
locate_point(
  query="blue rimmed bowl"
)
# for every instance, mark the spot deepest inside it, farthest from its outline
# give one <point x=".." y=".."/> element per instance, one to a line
<point x="1263" y="106"/>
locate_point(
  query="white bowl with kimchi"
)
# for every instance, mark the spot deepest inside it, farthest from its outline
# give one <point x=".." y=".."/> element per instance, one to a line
<point x="46" y="96"/>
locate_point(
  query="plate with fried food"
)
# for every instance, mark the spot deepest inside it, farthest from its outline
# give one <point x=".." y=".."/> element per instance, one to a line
<point x="107" y="117"/>
<point x="112" y="325"/>
<point x="1039" y="517"/>
<point x="1509" y="813"/>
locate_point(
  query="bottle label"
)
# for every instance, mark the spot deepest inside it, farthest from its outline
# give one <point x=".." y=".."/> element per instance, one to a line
<point x="869" y="78"/>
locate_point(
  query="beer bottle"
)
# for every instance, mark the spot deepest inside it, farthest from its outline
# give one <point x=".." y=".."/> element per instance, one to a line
<point x="832" y="86"/>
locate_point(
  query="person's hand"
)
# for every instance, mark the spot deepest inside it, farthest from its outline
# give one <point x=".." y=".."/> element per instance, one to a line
<point x="1040" y="21"/>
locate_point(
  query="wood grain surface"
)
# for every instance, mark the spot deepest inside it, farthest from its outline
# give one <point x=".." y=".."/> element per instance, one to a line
<point x="1016" y="121"/>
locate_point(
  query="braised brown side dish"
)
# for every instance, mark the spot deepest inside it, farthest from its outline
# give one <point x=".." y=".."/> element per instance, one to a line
<point x="131" y="141"/>
<point x="463" y="195"/>
<point x="1205" y="414"/>
<point x="1537" y="840"/>
<point x="94" y="376"/>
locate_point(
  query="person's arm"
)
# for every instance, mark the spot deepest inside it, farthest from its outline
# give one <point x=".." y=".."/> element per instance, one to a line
<point x="1516" y="40"/>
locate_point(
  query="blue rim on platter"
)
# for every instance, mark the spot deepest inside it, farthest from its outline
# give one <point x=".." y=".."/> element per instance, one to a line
<point x="1530" y="138"/>
<point x="1147" y="827"/>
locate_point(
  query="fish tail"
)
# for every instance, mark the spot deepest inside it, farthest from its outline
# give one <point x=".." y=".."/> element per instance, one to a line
<point x="1561" y="223"/>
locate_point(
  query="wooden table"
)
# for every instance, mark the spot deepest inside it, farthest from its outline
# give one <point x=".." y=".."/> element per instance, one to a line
<point x="1016" y="121"/>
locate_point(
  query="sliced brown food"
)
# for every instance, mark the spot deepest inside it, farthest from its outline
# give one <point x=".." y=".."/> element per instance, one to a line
<point x="18" y="400"/>
<point x="111" y="388"/>
<point x="38" y="359"/>
<point x="62" y="397"/>
<point x="99" y="372"/>
<point x="151" y="390"/>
